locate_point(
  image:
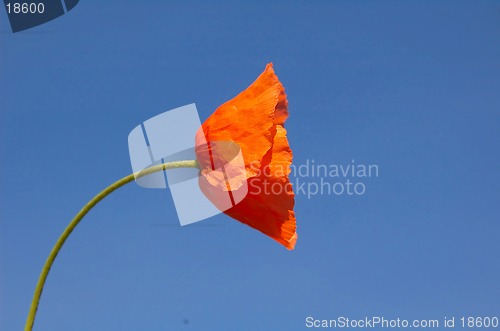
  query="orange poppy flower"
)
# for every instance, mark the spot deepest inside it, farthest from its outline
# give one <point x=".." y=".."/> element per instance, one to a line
<point x="254" y="121"/>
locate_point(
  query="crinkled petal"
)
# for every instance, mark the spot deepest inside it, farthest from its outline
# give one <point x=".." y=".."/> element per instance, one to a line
<point x="268" y="206"/>
<point x="254" y="120"/>
<point x="247" y="119"/>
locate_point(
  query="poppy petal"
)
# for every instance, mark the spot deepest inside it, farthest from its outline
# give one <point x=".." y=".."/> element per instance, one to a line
<point x="248" y="118"/>
<point x="268" y="206"/>
<point x="254" y="120"/>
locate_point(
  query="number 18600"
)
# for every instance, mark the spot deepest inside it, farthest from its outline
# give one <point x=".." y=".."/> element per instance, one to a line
<point x="479" y="322"/>
<point x="25" y="8"/>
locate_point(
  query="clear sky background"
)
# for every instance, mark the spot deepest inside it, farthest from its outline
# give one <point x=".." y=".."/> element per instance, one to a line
<point x="411" y="86"/>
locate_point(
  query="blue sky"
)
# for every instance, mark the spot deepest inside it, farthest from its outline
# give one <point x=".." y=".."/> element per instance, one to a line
<point x="410" y="86"/>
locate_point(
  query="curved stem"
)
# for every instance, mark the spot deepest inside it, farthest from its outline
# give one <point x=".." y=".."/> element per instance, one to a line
<point x="71" y="226"/>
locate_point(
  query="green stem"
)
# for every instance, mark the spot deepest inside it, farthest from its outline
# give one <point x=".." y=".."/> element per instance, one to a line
<point x="71" y="226"/>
